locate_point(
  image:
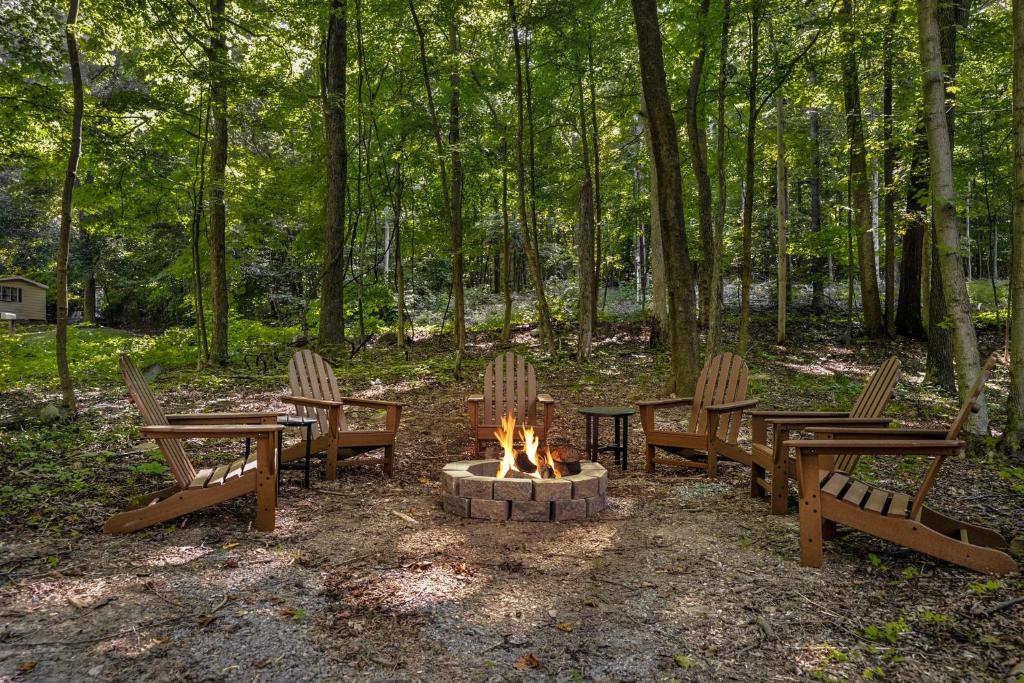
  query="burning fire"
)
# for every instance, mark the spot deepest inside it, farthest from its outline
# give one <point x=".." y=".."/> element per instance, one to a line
<point x="528" y="461"/>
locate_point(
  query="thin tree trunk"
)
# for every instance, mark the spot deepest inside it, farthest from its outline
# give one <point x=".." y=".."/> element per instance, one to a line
<point x="529" y="241"/>
<point x="506" y="250"/>
<point x="598" y="225"/>
<point x="396" y="209"/>
<point x="455" y="145"/>
<point x="888" y="173"/>
<point x="818" y="263"/>
<point x="681" y="305"/>
<point x="947" y="237"/>
<point x="1015" y="402"/>
<point x="198" y="193"/>
<point x="659" y="298"/>
<point x="909" y="321"/>
<point x="743" y="340"/>
<point x="332" y="297"/>
<point x="699" y="158"/>
<point x="218" y="163"/>
<point x="780" y="216"/>
<point x="66" y="206"/>
<point x="870" y="303"/>
<point x="715" y="311"/>
<point x="585" y="239"/>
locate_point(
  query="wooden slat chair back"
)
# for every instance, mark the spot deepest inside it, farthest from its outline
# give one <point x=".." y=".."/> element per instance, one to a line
<point x="152" y="415"/>
<point x="723" y="380"/>
<point x="510" y="386"/>
<point x="310" y="375"/>
<point x="873" y="399"/>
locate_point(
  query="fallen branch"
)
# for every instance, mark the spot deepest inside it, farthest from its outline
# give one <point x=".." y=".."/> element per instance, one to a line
<point x="1005" y="604"/>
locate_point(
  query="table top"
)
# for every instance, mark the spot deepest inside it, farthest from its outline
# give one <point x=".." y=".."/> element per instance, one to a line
<point x="608" y="411"/>
<point x="294" y="420"/>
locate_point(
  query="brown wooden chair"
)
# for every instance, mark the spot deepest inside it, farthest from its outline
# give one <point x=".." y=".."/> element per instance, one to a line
<point x="716" y="410"/>
<point x="769" y="455"/>
<point x="315" y="394"/>
<point x="510" y="386"/>
<point x="193" y="489"/>
<point x="829" y="496"/>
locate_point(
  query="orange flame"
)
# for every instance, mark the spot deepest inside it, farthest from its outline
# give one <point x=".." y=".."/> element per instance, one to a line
<point x="532" y="443"/>
<point x="551" y="462"/>
<point x="505" y="436"/>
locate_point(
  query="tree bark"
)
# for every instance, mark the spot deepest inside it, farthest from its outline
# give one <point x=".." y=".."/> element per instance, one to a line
<point x="198" y="192"/>
<point x="529" y="242"/>
<point x="659" y="298"/>
<point x="585" y="240"/>
<point x="888" y="173"/>
<point x="780" y="216"/>
<point x="682" y="328"/>
<point x="598" y="225"/>
<point x="909" y="322"/>
<point x="818" y="263"/>
<point x="699" y="158"/>
<point x="1015" y="403"/>
<point x="67" y="200"/>
<point x="218" y="163"/>
<point x="947" y="237"/>
<point x="455" y="145"/>
<point x="506" y="251"/>
<point x="748" y="183"/>
<point x="872" y="307"/>
<point x="715" y="311"/>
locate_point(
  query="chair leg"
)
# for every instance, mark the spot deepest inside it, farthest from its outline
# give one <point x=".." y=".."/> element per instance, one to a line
<point x="756" y="489"/>
<point x="712" y="460"/>
<point x="650" y="460"/>
<point x="811" y="528"/>
<point x="389" y="460"/>
<point x="780" y="475"/>
<point x="331" y="463"/>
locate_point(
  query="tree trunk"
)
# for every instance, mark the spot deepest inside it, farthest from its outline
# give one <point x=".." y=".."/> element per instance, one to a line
<point x="947" y="237"/>
<point x="656" y="258"/>
<point x="818" y="263"/>
<point x="396" y="209"/>
<point x="715" y="311"/>
<point x="888" y="174"/>
<point x="506" y="251"/>
<point x="332" y="297"/>
<point x="455" y="145"/>
<point x="664" y="140"/>
<point x="909" y="321"/>
<point x="748" y="183"/>
<point x="598" y="226"/>
<point x="780" y="216"/>
<point x="585" y="240"/>
<point x="198" y="192"/>
<point x="64" y="238"/>
<point x="699" y="158"/>
<point x="872" y="307"/>
<point x="218" y="163"/>
<point x="529" y="242"/>
<point x="1015" y="403"/>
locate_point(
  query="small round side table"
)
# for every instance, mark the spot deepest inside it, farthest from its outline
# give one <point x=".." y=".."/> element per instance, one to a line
<point x="295" y="421"/>
<point x="620" y="447"/>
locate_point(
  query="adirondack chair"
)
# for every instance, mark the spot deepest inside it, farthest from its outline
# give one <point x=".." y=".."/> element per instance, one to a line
<point x="510" y="386"/>
<point x="829" y="496"/>
<point x="194" y="490"/>
<point x="716" y="410"/>
<point x="314" y="393"/>
<point x="769" y="455"/>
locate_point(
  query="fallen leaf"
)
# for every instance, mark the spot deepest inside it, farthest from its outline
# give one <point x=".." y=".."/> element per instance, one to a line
<point x="683" y="661"/>
<point x="206" y="620"/>
<point x="564" y="627"/>
<point x="463" y="569"/>
<point x="25" y="667"/>
<point x="229" y="546"/>
<point x="77" y="602"/>
<point x="527" y="661"/>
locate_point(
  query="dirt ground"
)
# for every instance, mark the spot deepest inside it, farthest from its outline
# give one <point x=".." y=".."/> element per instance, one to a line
<point x="681" y="578"/>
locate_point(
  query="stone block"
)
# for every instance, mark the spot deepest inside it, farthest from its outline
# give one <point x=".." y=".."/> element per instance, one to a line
<point x="568" y="510"/>
<point x="450" y="479"/>
<point x="602" y="484"/>
<point x="456" y="505"/>
<point x="476" y="487"/>
<point x="583" y="485"/>
<point x="513" y="489"/>
<point x="596" y="504"/>
<point x="552" y="489"/>
<point x="531" y="511"/>
<point x="488" y="509"/>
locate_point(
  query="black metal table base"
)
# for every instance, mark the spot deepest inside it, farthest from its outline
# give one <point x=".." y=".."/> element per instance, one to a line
<point x="620" y="447"/>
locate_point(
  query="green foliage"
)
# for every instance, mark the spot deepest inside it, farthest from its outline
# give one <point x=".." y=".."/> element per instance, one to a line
<point x="887" y="632"/>
<point x="986" y="588"/>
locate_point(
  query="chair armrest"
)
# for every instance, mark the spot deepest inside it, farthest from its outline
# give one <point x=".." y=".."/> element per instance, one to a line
<point x="371" y="403"/>
<point x="545" y="398"/>
<point x="797" y="423"/>
<point x="208" y="431"/>
<point x="475" y="398"/>
<point x="929" y="447"/>
<point x="733" y="407"/>
<point x="220" y="418"/>
<point x="796" y="413"/>
<point x="664" y="402"/>
<point x="879" y="434"/>
<point x="311" y="402"/>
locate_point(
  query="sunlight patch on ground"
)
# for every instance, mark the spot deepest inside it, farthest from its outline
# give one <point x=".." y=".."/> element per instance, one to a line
<point x="810" y="369"/>
<point x="172" y="556"/>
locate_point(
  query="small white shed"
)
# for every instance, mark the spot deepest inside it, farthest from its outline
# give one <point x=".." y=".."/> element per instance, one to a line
<point x="23" y="297"/>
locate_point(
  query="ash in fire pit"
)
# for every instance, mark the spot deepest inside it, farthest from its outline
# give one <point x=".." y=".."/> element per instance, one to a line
<point x="525" y="485"/>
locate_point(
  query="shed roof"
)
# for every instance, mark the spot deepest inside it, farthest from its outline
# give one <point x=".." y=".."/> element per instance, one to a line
<point x="8" y="278"/>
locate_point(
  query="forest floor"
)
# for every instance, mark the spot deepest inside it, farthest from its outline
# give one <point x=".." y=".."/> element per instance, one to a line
<point x="681" y="578"/>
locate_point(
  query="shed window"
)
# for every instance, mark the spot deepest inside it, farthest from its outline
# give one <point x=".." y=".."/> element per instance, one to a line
<point x="12" y="294"/>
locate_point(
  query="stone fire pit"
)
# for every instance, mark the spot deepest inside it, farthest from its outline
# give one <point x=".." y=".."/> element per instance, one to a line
<point x="472" y="490"/>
